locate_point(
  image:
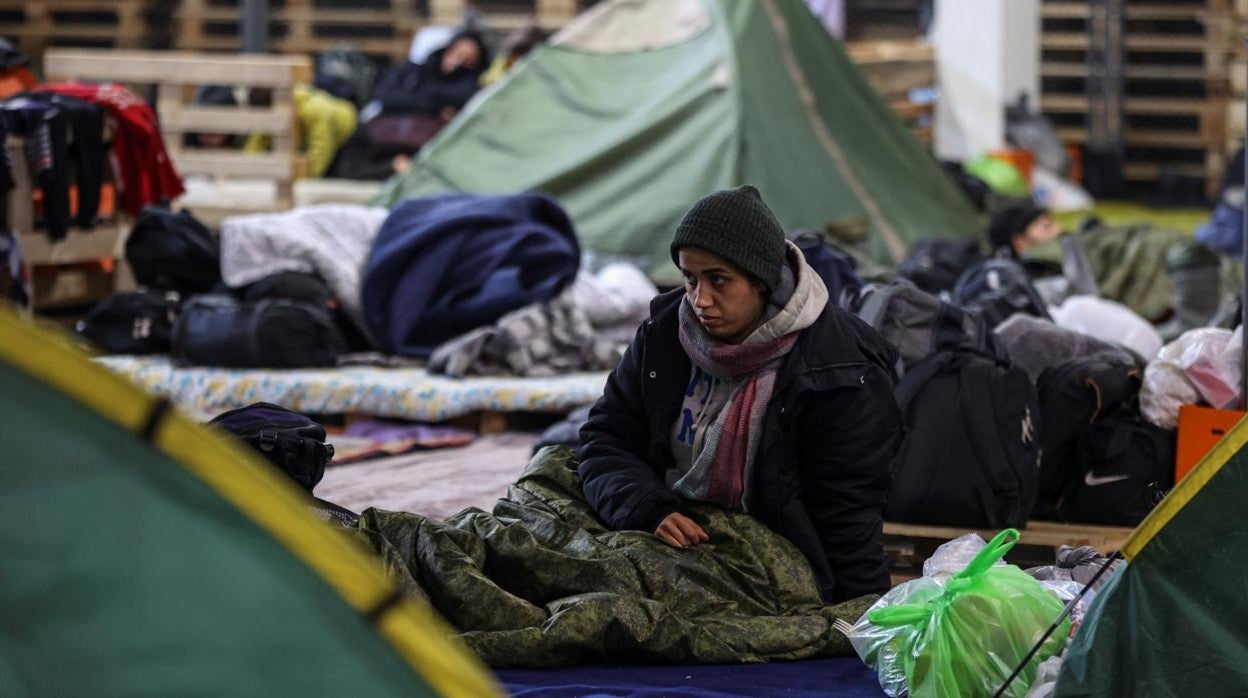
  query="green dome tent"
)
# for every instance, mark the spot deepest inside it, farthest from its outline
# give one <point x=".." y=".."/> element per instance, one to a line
<point x="145" y="555"/>
<point x="640" y="107"/>
<point x="1172" y="622"/>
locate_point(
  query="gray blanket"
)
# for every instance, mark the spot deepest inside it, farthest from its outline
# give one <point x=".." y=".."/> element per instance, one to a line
<point x="330" y="240"/>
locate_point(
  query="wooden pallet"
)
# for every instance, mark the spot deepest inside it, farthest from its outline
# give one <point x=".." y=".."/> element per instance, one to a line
<point x="551" y="15"/>
<point x="896" y="69"/>
<point x="380" y="27"/>
<point x="910" y="544"/>
<point x="75" y="271"/>
<point x="176" y="74"/>
<point x="1176" y="83"/>
<point x="33" y="25"/>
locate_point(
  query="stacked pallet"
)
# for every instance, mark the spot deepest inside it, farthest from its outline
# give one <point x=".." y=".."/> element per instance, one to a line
<point x="36" y="24"/>
<point x="1236" y="110"/>
<point x="883" y="20"/>
<point x="381" y="27"/>
<point x="377" y="27"/>
<point x="504" y="15"/>
<point x="904" y="73"/>
<point x="1236" y="116"/>
<point x="1176" y="82"/>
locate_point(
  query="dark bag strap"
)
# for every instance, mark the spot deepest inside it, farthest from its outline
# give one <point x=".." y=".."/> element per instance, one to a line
<point x="923" y="372"/>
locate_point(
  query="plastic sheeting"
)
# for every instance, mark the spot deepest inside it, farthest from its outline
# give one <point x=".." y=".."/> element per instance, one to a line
<point x="1108" y="321"/>
<point x="1205" y="365"/>
<point x="963" y="633"/>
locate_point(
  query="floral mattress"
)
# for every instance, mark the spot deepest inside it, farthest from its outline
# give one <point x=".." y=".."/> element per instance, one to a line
<point x="406" y="393"/>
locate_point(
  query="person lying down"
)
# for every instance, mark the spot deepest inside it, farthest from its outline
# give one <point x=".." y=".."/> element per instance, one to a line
<point x="726" y="503"/>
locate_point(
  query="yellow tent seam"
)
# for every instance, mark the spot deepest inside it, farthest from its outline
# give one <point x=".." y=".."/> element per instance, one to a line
<point x="1187" y="488"/>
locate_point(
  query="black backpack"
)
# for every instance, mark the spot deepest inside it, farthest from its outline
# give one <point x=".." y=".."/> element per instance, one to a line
<point x="936" y="265"/>
<point x="996" y="289"/>
<point x="345" y="74"/>
<point x="971" y="455"/>
<point x="288" y="439"/>
<point x="920" y="324"/>
<point x="838" y="270"/>
<point x="173" y="252"/>
<point x="137" y="322"/>
<point x="1125" y="467"/>
<point x="1074" y="396"/>
<point x="219" y="330"/>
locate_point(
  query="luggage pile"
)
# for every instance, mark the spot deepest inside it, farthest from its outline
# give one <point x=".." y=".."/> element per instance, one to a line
<point x="1008" y="416"/>
<point x="184" y="309"/>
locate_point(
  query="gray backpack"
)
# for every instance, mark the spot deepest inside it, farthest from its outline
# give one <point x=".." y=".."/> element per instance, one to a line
<point x="920" y="324"/>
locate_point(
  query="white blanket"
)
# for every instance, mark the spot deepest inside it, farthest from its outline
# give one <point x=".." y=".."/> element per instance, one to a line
<point x="331" y="240"/>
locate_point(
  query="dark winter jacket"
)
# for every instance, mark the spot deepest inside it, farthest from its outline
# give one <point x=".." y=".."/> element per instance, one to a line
<point x="824" y="466"/>
<point x="421" y="88"/>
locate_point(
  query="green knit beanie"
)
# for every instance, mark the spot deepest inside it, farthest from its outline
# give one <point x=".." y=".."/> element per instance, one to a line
<point x="735" y="224"/>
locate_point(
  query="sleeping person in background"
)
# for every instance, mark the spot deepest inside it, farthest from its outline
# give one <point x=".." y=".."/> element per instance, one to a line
<point x="325" y="124"/>
<point x="439" y="87"/>
<point x="516" y="46"/>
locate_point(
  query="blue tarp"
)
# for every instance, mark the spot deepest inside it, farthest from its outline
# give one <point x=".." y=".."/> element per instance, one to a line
<point x="847" y="677"/>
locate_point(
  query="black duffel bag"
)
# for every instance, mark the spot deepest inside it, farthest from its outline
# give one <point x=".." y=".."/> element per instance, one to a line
<point x="1125" y="466"/>
<point x="290" y="440"/>
<point x="219" y="330"/>
<point x="136" y="322"/>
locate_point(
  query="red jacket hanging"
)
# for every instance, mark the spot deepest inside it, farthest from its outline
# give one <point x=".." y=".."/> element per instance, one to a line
<point x="144" y="173"/>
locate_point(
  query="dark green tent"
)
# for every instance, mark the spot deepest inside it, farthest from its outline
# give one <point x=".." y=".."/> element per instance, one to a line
<point x="1172" y="622"/>
<point x="142" y="554"/>
<point x="640" y="107"/>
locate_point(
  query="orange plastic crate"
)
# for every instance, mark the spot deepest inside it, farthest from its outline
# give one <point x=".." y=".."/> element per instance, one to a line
<point x="1200" y="429"/>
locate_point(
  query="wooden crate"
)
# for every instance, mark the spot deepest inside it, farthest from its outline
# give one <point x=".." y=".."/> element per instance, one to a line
<point x="901" y="71"/>
<point x="1176" y="87"/>
<point x="34" y="25"/>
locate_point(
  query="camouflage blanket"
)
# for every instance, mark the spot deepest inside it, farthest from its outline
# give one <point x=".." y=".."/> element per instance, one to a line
<point x="540" y="582"/>
<point x="1130" y="265"/>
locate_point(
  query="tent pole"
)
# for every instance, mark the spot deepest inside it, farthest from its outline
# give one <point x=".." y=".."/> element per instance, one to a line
<point x="1070" y="606"/>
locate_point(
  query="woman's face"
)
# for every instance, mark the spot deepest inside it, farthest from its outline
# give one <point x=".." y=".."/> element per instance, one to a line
<point x="462" y="53"/>
<point x="728" y="303"/>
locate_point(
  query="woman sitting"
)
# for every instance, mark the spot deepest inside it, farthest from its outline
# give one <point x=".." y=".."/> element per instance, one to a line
<point x="747" y="390"/>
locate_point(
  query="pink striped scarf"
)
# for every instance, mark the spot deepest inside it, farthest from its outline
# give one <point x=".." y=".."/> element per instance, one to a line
<point x="719" y="471"/>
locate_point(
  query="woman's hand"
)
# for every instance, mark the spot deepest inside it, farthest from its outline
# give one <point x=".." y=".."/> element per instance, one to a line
<point x="679" y="531"/>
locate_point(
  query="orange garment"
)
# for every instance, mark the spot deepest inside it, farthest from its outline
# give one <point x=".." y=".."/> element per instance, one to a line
<point x="15" y="80"/>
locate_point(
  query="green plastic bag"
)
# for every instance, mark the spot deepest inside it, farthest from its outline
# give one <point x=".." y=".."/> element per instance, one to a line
<point x="963" y="638"/>
<point x="1000" y="176"/>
